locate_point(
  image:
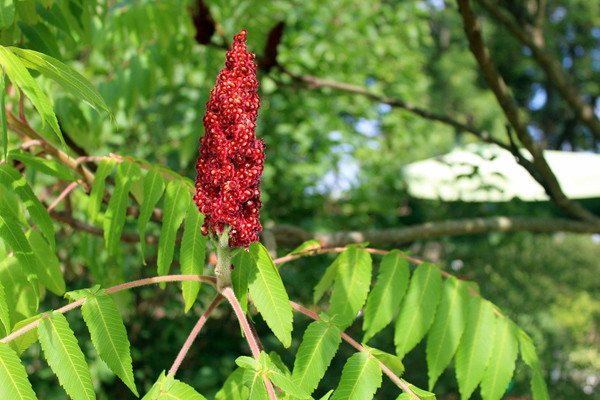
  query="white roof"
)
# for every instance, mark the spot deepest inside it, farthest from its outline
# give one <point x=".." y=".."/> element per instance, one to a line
<point x="480" y="173"/>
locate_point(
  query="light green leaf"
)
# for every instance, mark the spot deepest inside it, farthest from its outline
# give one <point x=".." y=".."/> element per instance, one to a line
<point x="109" y="336"/>
<point x="327" y="279"/>
<point x="475" y="346"/>
<point x="13" y="377"/>
<point x="247" y="363"/>
<point x="105" y="167"/>
<point x="385" y="298"/>
<point x="3" y="128"/>
<point x="11" y="178"/>
<point x="279" y="378"/>
<point x="447" y="328"/>
<point x="169" y="388"/>
<point x="192" y="252"/>
<point x="21" y="294"/>
<point x="11" y="232"/>
<point x="418" y="308"/>
<point x="154" y="186"/>
<point x="327" y="395"/>
<point x="361" y="377"/>
<point x="65" y="357"/>
<point x="269" y="295"/>
<point x="22" y="342"/>
<point x="392" y="361"/>
<point x="254" y="379"/>
<point x="307" y="247"/>
<point x="4" y="313"/>
<point x="7" y="15"/>
<point x="233" y="388"/>
<point x="319" y="344"/>
<point x="18" y="74"/>
<point x="71" y="80"/>
<point x="177" y="199"/>
<point x="538" y="385"/>
<point x="47" y="267"/>
<point x="244" y="263"/>
<point x="501" y="365"/>
<point x="422" y="394"/>
<point x="47" y="166"/>
<point x="114" y="218"/>
<point x="352" y="283"/>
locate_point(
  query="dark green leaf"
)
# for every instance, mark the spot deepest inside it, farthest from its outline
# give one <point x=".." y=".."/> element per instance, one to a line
<point x="192" y="252"/>
<point x="244" y="263"/>
<point x="177" y="200"/>
<point x="105" y="167"/>
<point x="48" y="267"/>
<point x="154" y="186"/>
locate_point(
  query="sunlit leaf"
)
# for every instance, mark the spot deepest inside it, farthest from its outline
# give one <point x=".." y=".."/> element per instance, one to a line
<point x="501" y="365"/>
<point x="233" y="388"/>
<point x="192" y="252"/>
<point x="13" y="377"/>
<point x="47" y="267"/>
<point x="361" y="377"/>
<point x="47" y="166"/>
<point x="538" y="385"/>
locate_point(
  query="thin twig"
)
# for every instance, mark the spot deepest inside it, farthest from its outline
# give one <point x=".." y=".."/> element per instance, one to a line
<point x="62" y="195"/>
<point x="194" y="333"/>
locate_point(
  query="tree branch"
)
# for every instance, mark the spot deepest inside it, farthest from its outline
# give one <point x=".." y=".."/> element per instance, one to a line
<point x="291" y="236"/>
<point x="551" y="66"/>
<point x="500" y="90"/>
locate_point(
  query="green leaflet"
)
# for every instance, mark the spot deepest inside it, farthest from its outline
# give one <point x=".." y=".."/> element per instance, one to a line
<point x="475" y="346"/>
<point x="22" y="297"/>
<point x="352" y="284"/>
<point x="169" y="388"/>
<point x="392" y="361"/>
<point x="418" y="308"/>
<point x="22" y="343"/>
<point x="233" y="388"/>
<point x="71" y="80"/>
<point x="244" y="263"/>
<point x="7" y="14"/>
<point x="48" y="267"/>
<point x="105" y="167"/>
<point x="269" y="295"/>
<point x="192" y="252"/>
<point x="501" y="365"/>
<point x="319" y="344"/>
<point x="13" y="377"/>
<point x="4" y="313"/>
<point x="538" y="385"/>
<point x="65" y="357"/>
<point x="361" y="377"/>
<point x="109" y="336"/>
<point x="154" y="186"/>
<point x="326" y="280"/>
<point x="20" y="76"/>
<point x="423" y="394"/>
<point x="3" y="128"/>
<point x="47" y="166"/>
<point x="280" y="379"/>
<point x="447" y="328"/>
<point x="177" y="200"/>
<point x="384" y="299"/>
<point x="114" y="218"/>
<point x="12" y="179"/>
<point x="254" y="379"/>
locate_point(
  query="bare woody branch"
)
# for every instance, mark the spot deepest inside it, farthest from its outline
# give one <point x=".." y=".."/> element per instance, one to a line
<point x="551" y="66"/>
<point x="512" y="113"/>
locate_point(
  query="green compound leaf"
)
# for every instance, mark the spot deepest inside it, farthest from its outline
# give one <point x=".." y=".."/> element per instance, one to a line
<point x="109" y="336"/>
<point x="114" y="218"/>
<point x="319" y="345"/>
<point x="475" y="347"/>
<point x="501" y="365"/>
<point x="361" y="377"/>
<point x="105" y="167"/>
<point x="539" y="390"/>
<point x="234" y="388"/>
<point x="13" y="377"/>
<point x="418" y="308"/>
<point x="447" y="328"/>
<point x="4" y="313"/>
<point x="352" y="283"/>
<point x="3" y="127"/>
<point x="47" y="166"/>
<point x="71" y="80"/>
<point x="269" y="295"/>
<point x="65" y="357"/>
<point x="12" y="179"/>
<point x="48" y="267"/>
<point x="244" y="263"/>
<point x="327" y="279"/>
<point x="192" y="252"/>
<point x="20" y="76"/>
<point x="177" y="199"/>
<point x="385" y="298"/>
<point x="154" y="186"/>
<point x="169" y="388"/>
